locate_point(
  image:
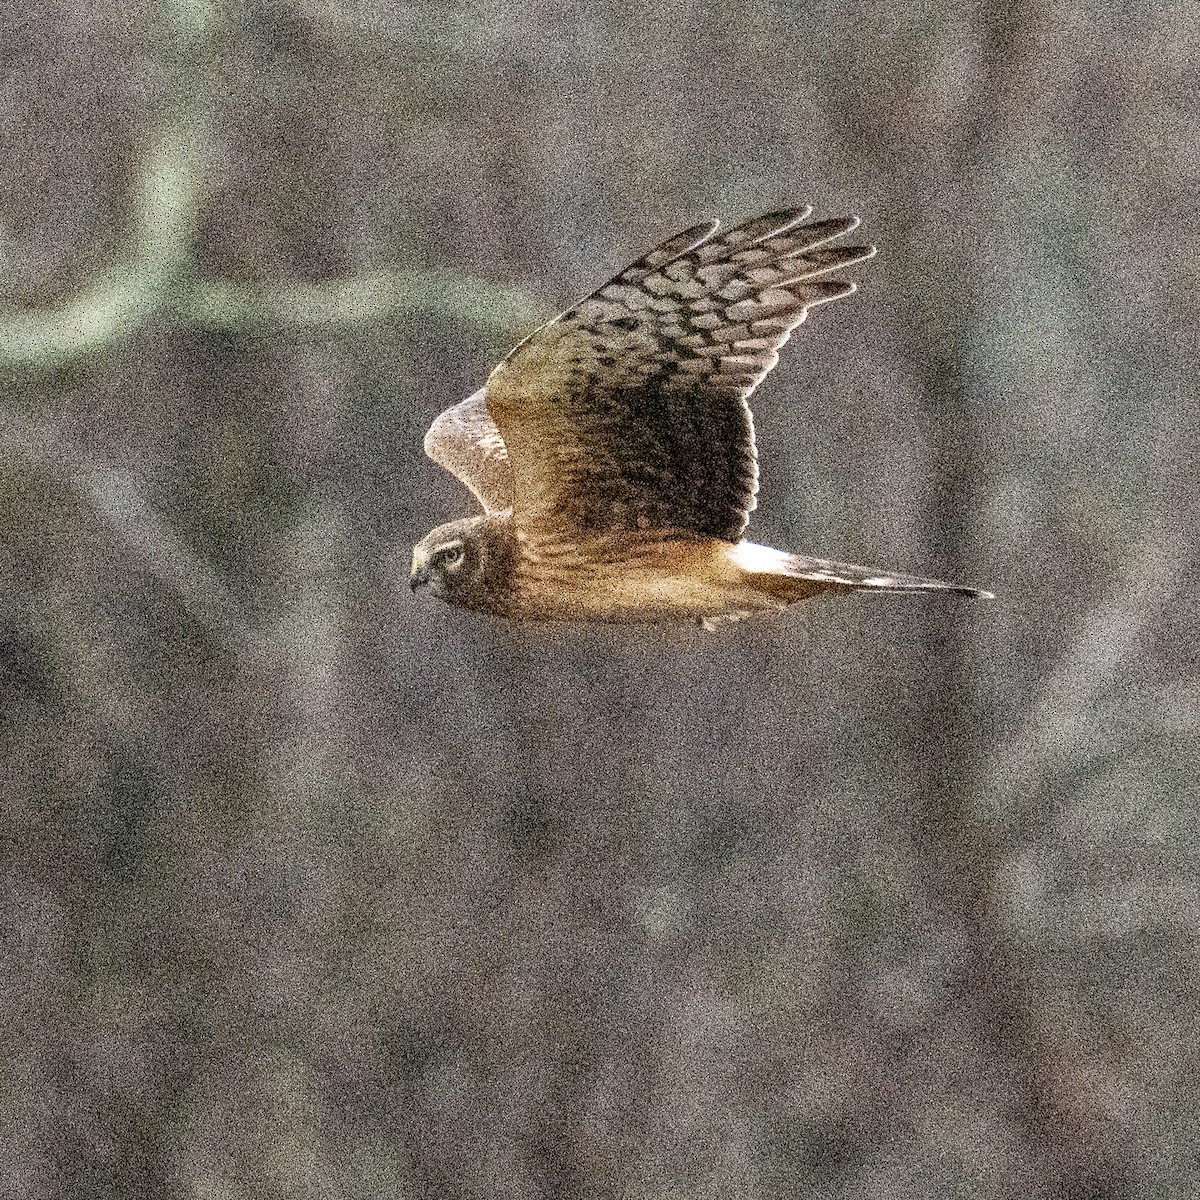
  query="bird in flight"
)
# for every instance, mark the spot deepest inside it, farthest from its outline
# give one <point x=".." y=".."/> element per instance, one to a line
<point x="613" y="450"/>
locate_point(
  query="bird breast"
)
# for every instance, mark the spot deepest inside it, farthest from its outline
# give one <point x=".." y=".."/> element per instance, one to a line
<point x="627" y="577"/>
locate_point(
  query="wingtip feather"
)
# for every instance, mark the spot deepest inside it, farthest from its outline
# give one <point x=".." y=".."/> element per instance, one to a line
<point x="772" y="224"/>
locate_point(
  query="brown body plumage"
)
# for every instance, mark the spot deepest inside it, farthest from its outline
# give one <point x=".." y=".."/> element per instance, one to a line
<point x="613" y="450"/>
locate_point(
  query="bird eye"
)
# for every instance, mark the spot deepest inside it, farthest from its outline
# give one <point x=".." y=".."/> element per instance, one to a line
<point x="451" y="556"/>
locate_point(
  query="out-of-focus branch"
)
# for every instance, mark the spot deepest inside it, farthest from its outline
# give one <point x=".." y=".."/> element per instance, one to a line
<point x="133" y="290"/>
<point x="152" y="283"/>
<point x="378" y="296"/>
<point x="136" y="527"/>
<point x="155" y="278"/>
<point x="168" y="197"/>
<point x="1055" y="734"/>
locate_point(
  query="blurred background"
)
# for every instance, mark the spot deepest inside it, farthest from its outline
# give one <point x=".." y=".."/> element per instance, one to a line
<point x="313" y="889"/>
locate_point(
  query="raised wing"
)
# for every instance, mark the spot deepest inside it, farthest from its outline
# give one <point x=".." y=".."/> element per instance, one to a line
<point x="629" y="410"/>
<point x="464" y="439"/>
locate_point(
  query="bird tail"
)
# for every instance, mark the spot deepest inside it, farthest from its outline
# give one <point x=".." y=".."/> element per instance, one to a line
<point x="792" y="577"/>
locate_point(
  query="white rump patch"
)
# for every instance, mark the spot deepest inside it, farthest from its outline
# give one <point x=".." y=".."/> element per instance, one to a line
<point x="760" y="560"/>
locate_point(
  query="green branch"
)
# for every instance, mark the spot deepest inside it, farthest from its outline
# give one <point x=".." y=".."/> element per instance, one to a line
<point x="156" y="278"/>
<point x="335" y="303"/>
<point x="166" y="209"/>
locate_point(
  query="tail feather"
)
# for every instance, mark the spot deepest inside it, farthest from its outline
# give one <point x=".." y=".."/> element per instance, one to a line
<point x="791" y="577"/>
<point x="835" y="575"/>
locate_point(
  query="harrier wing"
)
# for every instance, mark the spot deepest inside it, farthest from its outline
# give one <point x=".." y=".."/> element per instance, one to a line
<point x="464" y="439"/>
<point x="629" y="410"/>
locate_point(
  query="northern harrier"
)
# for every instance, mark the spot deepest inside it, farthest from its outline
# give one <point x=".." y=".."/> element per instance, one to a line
<point x="613" y="449"/>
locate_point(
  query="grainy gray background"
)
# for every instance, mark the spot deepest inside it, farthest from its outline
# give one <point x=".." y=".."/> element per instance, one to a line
<point x="310" y="889"/>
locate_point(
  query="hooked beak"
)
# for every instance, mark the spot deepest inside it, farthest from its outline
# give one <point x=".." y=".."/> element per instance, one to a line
<point x="418" y="577"/>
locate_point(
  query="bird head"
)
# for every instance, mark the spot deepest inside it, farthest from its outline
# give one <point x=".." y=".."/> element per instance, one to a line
<point x="447" y="560"/>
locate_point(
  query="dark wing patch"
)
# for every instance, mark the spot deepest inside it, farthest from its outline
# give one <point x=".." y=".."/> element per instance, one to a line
<point x="464" y="439"/>
<point x="629" y="410"/>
